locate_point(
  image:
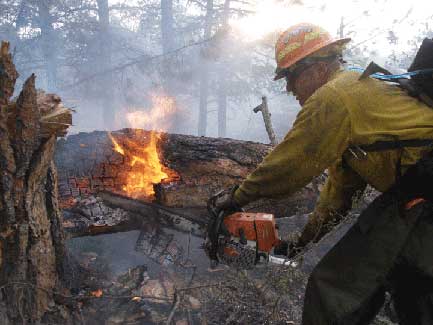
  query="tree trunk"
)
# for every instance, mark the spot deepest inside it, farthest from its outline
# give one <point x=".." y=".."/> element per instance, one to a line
<point x="31" y="237"/>
<point x="48" y="42"/>
<point x="222" y="106"/>
<point x="170" y="61"/>
<point x="222" y="82"/>
<point x="105" y="52"/>
<point x="204" y="92"/>
<point x="167" y="28"/>
<point x="204" y="76"/>
<point x="167" y="44"/>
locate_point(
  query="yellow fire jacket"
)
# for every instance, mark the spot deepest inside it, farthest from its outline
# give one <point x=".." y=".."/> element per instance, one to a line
<point x="344" y="112"/>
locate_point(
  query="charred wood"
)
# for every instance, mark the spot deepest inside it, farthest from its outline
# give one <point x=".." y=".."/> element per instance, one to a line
<point x="111" y="213"/>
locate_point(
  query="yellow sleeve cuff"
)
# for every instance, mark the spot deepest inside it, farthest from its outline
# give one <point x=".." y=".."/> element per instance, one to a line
<point x="241" y="198"/>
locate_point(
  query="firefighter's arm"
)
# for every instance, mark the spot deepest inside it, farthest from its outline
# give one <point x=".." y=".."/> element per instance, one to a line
<point x="317" y="140"/>
<point x="334" y="202"/>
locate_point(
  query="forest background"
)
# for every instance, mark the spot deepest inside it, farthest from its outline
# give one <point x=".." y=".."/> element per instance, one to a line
<point x="191" y="66"/>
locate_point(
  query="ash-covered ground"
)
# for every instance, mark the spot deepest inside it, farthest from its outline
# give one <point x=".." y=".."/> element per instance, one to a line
<point x="129" y="278"/>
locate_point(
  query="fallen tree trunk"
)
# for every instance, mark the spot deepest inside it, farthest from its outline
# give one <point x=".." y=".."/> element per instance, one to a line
<point x="31" y="236"/>
<point x="89" y="164"/>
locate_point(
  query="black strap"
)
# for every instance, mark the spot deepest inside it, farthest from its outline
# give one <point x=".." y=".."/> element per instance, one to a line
<point x="392" y="145"/>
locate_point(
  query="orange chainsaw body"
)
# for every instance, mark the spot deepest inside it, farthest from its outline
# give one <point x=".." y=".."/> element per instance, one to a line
<point x="258" y="227"/>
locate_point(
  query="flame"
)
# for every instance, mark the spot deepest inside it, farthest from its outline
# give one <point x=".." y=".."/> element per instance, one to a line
<point x="147" y="168"/>
<point x="117" y="147"/>
<point x="97" y="293"/>
<point x="159" y="116"/>
<point x="143" y="158"/>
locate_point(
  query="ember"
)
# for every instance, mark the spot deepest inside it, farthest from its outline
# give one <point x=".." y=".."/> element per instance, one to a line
<point x="97" y="293"/>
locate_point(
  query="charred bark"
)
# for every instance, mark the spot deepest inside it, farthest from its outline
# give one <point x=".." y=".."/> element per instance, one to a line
<point x="31" y="238"/>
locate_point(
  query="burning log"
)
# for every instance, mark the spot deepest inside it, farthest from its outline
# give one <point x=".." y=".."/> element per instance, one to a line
<point x="158" y="178"/>
<point x="31" y="236"/>
<point x="192" y="169"/>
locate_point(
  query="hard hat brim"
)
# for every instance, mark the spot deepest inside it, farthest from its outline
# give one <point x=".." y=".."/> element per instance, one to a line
<point x="281" y="72"/>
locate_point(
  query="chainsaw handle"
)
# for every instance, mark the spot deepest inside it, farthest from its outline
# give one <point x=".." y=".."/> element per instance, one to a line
<point x="230" y="205"/>
<point x="216" y="225"/>
<point x="211" y="203"/>
<point x="213" y="232"/>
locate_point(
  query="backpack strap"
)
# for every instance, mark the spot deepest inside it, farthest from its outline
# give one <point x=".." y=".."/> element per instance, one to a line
<point x="391" y="145"/>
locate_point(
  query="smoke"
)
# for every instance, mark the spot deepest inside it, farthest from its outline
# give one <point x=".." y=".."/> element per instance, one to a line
<point x="227" y="72"/>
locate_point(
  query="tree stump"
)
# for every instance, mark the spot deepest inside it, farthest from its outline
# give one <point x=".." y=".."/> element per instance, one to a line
<point x="31" y="237"/>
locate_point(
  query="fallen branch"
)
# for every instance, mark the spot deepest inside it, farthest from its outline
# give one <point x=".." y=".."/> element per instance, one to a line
<point x="218" y="284"/>
<point x="82" y="297"/>
<point x="173" y="218"/>
<point x="177" y="300"/>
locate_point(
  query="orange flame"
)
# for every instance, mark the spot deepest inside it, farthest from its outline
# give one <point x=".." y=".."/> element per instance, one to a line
<point x="97" y="293"/>
<point x="117" y="147"/>
<point x="146" y="167"/>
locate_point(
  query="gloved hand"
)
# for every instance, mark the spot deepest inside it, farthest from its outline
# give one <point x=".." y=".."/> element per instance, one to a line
<point x="224" y="202"/>
<point x="294" y="250"/>
<point x="317" y="226"/>
<point x="288" y="249"/>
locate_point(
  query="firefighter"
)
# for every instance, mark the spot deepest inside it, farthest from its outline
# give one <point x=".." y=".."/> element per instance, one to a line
<point x="363" y="132"/>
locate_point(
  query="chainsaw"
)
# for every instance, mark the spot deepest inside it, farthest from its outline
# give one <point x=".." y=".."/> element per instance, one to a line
<point x="242" y="239"/>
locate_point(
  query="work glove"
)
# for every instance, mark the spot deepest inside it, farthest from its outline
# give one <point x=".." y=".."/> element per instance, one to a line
<point x="294" y="249"/>
<point x="226" y="203"/>
<point x="289" y="249"/>
<point x="317" y="226"/>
